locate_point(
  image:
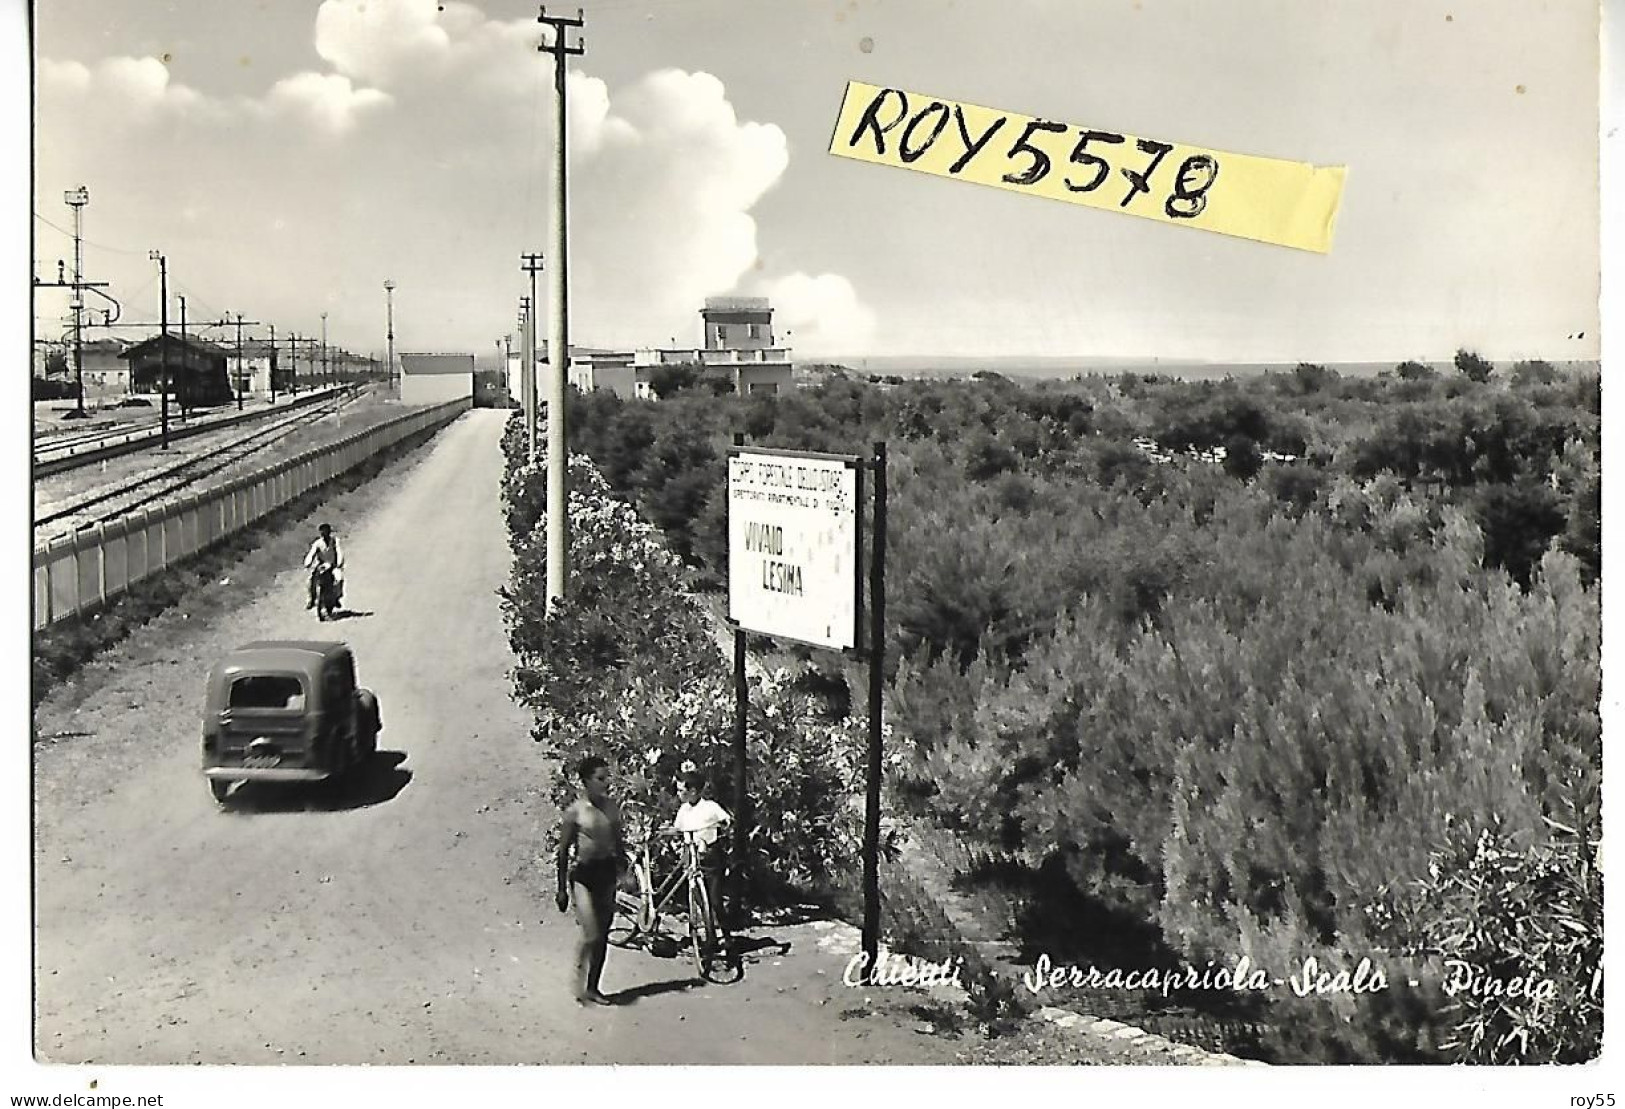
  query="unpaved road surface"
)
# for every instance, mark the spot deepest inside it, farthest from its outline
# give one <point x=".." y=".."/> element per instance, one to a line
<point x="402" y="920"/>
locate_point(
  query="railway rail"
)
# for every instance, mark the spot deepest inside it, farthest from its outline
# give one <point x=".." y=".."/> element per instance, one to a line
<point x="66" y="451"/>
<point x="110" y="503"/>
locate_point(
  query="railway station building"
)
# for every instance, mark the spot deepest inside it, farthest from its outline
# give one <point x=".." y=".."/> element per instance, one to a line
<point x="196" y="368"/>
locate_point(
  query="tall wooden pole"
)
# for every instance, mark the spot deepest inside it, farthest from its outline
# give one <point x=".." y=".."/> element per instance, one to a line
<point x="239" y="361"/>
<point x="558" y="331"/>
<point x="185" y="350"/>
<point x="163" y="348"/>
<point x="527" y="366"/>
<point x="531" y="264"/>
<point x="389" y="337"/>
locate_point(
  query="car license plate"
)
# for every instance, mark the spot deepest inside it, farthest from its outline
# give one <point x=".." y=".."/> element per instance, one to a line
<point x="261" y="762"/>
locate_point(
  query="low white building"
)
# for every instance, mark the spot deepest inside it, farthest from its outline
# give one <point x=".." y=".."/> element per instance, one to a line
<point x="747" y="370"/>
<point x="106" y="375"/>
<point x="437" y="378"/>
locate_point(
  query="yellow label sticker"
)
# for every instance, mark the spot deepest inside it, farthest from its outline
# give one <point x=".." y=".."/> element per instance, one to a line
<point x="1270" y="200"/>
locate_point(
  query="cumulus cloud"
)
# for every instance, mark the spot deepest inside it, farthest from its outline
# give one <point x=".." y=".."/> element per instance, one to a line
<point x="591" y="126"/>
<point x="138" y="88"/>
<point x="376" y="42"/>
<point x="69" y="77"/>
<point x="675" y="177"/>
<point x="390" y="43"/>
<point x="823" y="313"/>
<point x="328" y="100"/>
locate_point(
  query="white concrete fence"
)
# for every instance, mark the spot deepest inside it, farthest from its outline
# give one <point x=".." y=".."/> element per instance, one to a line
<point x="81" y="572"/>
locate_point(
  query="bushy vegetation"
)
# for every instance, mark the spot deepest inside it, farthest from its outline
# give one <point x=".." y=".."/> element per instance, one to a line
<point x="629" y="668"/>
<point x="45" y="388"/>
<point x="1240" y="659"/>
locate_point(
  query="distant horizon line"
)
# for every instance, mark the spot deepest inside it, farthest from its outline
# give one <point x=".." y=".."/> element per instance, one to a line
<point x="1110" y="359"/>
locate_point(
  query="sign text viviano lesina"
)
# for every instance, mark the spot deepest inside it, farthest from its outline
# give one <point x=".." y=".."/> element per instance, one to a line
<point x="793" y="546"/>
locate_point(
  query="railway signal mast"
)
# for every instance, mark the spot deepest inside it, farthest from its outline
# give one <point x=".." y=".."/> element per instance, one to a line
<point x="77" y="199"/>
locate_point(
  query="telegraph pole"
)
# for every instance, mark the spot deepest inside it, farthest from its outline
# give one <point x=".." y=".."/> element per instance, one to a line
<point x="532" y="264"/>
<point x="503" y="344"/>
<point x="184" y="348"/>
<point x="77" y="199"/>
<point x="558" y="331"/>
<point x="389" y="294"/>
<point x="239" y="361"/>
<point x="325" y="375"/>
<point x="163" y="347"/>
<point x="270" y="364"/>
<point x="527" y="369"/>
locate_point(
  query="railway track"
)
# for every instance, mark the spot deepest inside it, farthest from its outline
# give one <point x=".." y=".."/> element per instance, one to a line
<point x="56" y="453"/>
<point x="125" y="497"/>
<point x="57" y="437"/>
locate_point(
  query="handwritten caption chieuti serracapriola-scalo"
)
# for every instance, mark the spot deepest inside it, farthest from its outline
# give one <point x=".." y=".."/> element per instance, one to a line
<point x="1308" y="979"/>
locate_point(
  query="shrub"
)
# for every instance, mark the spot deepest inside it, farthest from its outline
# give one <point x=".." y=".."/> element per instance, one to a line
<point x="1514" y="931"/>
<point x="629" y="668"/>
<point x="1473" y="367"/>
<point x="1242" y="458"/>
<point x="50" y="389"/>
<point x="668" y="381"/>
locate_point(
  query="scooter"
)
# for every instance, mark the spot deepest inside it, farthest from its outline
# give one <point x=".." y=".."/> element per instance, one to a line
<point x="327" y="593"/>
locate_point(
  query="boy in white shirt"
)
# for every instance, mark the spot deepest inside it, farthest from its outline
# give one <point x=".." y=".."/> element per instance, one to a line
<point x="704" y="819"/>
<point x="325" y="554"/>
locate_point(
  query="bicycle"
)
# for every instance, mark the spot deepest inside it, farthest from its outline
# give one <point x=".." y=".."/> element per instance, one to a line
<point x="710" y="944"/>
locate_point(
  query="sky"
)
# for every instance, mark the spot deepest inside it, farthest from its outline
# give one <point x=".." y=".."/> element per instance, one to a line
<point x="289" y="157"/>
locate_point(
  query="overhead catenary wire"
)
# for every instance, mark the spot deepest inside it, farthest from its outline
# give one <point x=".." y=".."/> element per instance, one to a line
<point x="90" y="242"/>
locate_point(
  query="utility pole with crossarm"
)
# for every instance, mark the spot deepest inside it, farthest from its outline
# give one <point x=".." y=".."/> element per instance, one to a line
<point x="558" y="331"/>
<point x="532" y="264"/>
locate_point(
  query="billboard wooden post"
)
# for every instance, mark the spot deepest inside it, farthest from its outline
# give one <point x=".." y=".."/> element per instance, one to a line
<point x="877" y="658"/>
<point x="741" y="798"/>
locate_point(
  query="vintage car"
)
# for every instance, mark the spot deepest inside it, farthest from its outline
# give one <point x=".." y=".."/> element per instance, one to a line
<point x="286" y="711"/>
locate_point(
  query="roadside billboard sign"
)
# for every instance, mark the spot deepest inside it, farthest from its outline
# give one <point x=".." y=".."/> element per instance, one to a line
<point x="793" y="536"/>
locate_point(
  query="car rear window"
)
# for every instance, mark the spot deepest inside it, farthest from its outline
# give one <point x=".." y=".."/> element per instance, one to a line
<point x="268" y="691"/>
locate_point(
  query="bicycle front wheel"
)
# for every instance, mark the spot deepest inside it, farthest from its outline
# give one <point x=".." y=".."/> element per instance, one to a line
<point x="635" y="918"/>
<point x="702" y="925"/>
<point x="648" y="917"/>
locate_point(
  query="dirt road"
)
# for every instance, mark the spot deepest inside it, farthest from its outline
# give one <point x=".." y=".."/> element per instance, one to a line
<point x="403" y="922"/>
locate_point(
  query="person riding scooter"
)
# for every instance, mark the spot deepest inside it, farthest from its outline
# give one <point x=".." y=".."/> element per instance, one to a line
<point x="325" y="555"/>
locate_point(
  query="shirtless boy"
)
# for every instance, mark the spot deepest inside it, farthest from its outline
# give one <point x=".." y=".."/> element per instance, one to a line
<point x="592" y="826"/>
